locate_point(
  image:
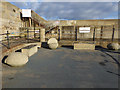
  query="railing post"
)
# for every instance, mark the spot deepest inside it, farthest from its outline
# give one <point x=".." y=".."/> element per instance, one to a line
<point x="8" y="40"/>
<point x="113" y="33"/>
<point x="27" y="35"/>
<point x="58" y="34"/>
<point x="94" y="34"/>
<point x="76" y="34"/>
<point x="39" y="35"/>
<point x="101" y="35"/>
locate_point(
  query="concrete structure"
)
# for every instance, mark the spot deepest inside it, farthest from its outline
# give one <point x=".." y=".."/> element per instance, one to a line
<point x="37" y="43"/>
<point x="53" y="43"/>
<point x="65" y="68"/>
<point x="68" y="29"/>
<point x="99" y="29"/>
<point x="52" y="40"/>
<point x="16" y="59"/>
<point x="113" y="46"/>
<point x="36" y="27"/>
<point x="30" y="50"/>
<point x="42" y="35"/>
<point x="83" y="46"/>
<point x="13" y="21"/>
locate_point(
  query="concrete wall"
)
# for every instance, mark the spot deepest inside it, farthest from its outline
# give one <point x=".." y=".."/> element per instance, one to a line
<point x="68" y="28"/>
<point x="10" y="18"/>
<point x="88" y="22"/>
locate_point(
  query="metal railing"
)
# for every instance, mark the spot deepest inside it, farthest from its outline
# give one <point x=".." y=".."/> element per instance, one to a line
<point x="7" y="36"/>
<point x="10" y="38"/>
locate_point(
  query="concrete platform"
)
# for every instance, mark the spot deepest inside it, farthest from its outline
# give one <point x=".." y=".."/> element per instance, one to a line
<point x="87" y="46"/>
<point x="65" y="68"/>
<point x="38" y="44"/>
<point x="30" y="50"/>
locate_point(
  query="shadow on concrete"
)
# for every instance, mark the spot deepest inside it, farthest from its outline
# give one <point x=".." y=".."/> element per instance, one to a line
<point x="45" y="45"/>
<point x="69" y="47"/>
<point x="105" y="51"/>
<point x="113" y="73"/>
<point x="18" y="50"/>
<point x="3" y="60"/>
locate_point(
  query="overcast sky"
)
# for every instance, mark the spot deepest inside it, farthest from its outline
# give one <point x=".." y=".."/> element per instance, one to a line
<point x="72" y="10"/>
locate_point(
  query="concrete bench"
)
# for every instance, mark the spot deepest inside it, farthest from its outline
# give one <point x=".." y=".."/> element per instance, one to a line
<point x="38" y="44"/>
<point x="29" y="50"/>
<point x="86" y="46"/>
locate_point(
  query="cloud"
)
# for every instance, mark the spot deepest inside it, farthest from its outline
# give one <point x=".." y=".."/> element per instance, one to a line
<point x="77" y="10"/>
<point x="62" y="0"/>
<point x="80" y="0"/>
<point x="72" y="10"/>
<point x="34" y="4"/>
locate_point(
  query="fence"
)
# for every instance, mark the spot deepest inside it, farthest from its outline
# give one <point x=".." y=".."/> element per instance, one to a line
<point x="97" y="33"/>
<point x="23" y="37"/>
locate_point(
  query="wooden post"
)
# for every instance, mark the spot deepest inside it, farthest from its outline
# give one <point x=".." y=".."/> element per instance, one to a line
<point x="28" y="35"/>
<point x="94" y="34"/>
<point x="60" y="28"/>
<point x="101" y="35"/>
<point x="30" y="22"/>
<point x="58" y="34"/>
<point x="39" y="35"/>
<point x="25" y="23"/>
<point x="113" y="33"/>
<point x="76" y="34"/>
<point x="8" y="40"/>
<point x="34" y="29"/>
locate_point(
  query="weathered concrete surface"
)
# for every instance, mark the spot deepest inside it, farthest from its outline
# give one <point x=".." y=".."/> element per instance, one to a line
<point x="99" y="29"/>
<point x="30" y="50"/>
<point x="52" y="40"/>
<point x="87" y="46"/>
<point x="65" y="68"/>
<point x="36" y="43"/>
<point x="113" y="46"/>
<point x="42" y="35"/>
<point x="87" y="22"/>
<point x="12" y="20"/>
<point x="53" y="45"/>
<point x="16" y="59"/>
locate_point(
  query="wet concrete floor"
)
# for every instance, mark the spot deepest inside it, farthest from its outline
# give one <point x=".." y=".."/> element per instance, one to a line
<point x="64" y="68"/>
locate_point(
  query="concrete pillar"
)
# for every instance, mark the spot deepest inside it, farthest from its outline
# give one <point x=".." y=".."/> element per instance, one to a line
<point x="30" y="22"/>
<point x="42" y="34"/>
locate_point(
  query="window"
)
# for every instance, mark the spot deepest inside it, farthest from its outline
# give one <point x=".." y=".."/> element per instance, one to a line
<point x="14" y="10"/>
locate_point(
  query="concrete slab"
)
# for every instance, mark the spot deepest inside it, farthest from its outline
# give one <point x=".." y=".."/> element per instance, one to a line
<point x="30" y="50"/>
<point x="84" y="46"/>
<point x="65" y="68"/>
<point x="37" y="43"/>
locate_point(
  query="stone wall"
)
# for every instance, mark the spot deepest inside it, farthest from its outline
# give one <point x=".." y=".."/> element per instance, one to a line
<point x="10" y="19"/>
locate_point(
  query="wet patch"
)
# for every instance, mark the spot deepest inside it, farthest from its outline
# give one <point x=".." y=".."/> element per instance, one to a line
<point x="43" y="86"/>
<point x="32" y="75"/>
<point x="60" y="65"/>
<point x="11" y="78"/>
<point x="102" y="63"/>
